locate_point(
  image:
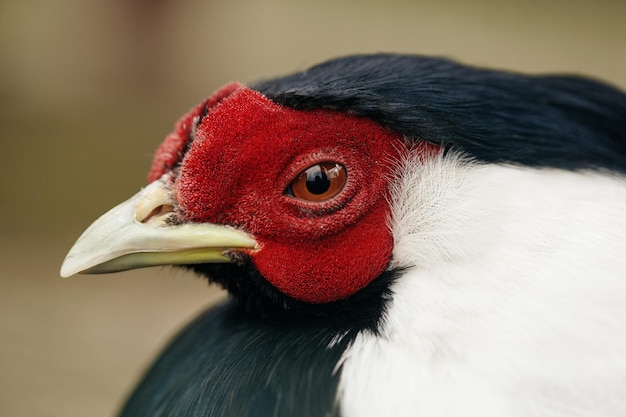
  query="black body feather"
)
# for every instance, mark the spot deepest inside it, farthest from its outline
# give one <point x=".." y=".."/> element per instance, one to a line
<point x="230" y="363"/>
<point x="263" y="354"/>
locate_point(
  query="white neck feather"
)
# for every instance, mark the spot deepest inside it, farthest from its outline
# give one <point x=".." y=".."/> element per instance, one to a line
<point x="514" y="299"/>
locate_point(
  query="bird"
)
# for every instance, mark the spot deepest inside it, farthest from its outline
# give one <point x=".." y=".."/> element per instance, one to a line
<point x="400" y="235"/>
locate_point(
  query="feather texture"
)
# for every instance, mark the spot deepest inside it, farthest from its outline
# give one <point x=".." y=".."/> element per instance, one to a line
<point x="493" y="116"/>
<point x="513" y="303"/>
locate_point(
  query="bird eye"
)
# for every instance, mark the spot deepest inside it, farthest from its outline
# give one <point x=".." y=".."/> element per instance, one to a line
<point x="319" y="182"/>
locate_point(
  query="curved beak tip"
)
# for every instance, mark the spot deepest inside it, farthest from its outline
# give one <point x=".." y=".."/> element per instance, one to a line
<point x="67" y="270"/>
<point x="124" y="238"/>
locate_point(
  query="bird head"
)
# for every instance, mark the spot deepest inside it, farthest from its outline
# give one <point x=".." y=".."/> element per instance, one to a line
<point x="300" y="197"/>
<point x="282" y="192"/>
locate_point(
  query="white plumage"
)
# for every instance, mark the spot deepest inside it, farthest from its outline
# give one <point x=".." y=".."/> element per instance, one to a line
<point x="513" y="299"/>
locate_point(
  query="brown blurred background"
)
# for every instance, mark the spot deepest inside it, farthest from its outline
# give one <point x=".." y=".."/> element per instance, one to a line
<point x="88" y="88"/>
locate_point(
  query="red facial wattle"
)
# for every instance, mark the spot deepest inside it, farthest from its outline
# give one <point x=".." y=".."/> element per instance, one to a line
<point x="245" y="153"/>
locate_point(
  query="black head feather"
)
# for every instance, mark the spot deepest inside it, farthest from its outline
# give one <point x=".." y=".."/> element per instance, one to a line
<point x="542" y="121"/>
<point x="363" y="310"/>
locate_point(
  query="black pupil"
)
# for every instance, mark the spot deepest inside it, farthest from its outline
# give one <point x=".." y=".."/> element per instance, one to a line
<point x="317" y="182"/>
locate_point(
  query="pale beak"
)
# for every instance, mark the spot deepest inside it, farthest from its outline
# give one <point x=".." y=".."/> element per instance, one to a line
<point x="136" y="234"/>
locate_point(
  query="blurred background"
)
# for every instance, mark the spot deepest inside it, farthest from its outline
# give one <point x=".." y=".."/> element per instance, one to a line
<point x="88" y="88"/>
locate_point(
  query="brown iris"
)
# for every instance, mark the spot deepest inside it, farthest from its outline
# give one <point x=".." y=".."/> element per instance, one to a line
<point x="319" y="182"/>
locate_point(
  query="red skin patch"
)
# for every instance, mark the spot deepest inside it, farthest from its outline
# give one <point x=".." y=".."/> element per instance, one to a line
<point x="244" y="155"/>
<point x="171" y="150"/>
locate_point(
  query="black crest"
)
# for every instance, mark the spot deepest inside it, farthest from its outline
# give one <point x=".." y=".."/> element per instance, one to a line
<point x="544" y="121"/>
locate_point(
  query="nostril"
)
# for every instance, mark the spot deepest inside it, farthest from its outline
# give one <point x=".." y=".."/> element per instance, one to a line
<point x="157" y="213"/>
<point x="153" y="204"/>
